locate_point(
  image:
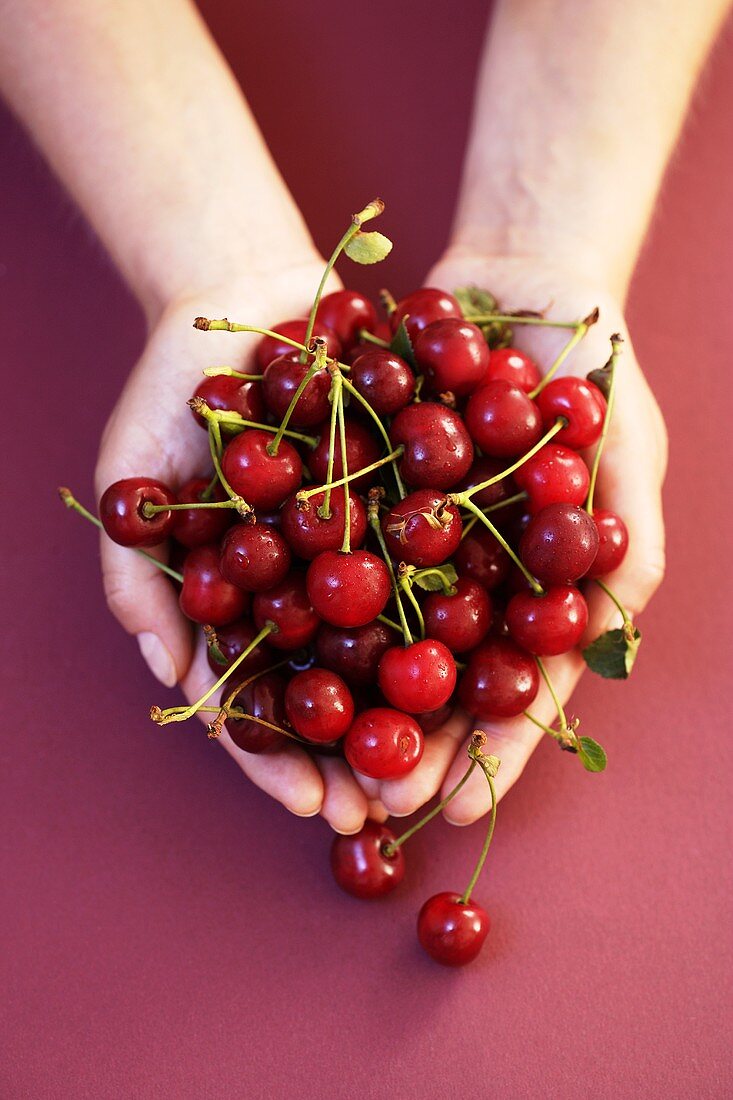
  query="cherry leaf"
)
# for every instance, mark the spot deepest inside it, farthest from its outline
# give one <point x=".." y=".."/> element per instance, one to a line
<point x="402" y="345"/>
<point x="472" y="299"/>
<point x="433" y="580"/>
<point x="612" y="655"/>
<point x="591" y="755"/>
<point x="368" y="248"/>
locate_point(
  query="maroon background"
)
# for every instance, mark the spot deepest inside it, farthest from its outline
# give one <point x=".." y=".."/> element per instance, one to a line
<point x="170" y="931"/>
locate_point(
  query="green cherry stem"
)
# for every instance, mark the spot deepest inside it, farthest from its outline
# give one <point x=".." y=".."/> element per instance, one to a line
<point x="468" y="503"/>
<point x="230" y="372"/>
<point x="373" y="513"/>
<point x="346" y="544"/>
<point x="406" y="586"/>
<point x="567" y="740"/>
<point x="149" y="510"/>
<point x="489" y="766"/>
<point x="305" y="494"/>
<point x="616" y="349"/>
<point x="564" y="725"/>
<point x="325" y="510"/>
<point x="519" y="319"/>
<point x="206" y="324"/>
<point x="558" y="426"/>
<point x="580" y="331"/>
<point x="220" y="417"/>
<point x="318" y="364"/>
<point x="390" y="622"/>
<point x="367" y="337"/>
<point x="380" y="426"/>
<point x="215" y="450"/>
<point x="493" y="508"/>
<point x="390" y="849"/>
<point x="628" y="626"/>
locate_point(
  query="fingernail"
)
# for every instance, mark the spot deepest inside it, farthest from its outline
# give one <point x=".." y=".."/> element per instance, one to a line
<point x="157" y="658"/>
<point x="347" y="832"/>
<point x="311" y="813"/>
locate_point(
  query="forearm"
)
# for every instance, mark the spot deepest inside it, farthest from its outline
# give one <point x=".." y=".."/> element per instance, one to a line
<point x="138" y="113"/>
<point x="577" y="111"/>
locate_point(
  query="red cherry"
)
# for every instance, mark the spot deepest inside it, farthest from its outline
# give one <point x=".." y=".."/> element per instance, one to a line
<point x="361" y="450"/>
<point x="346" y="312"/>
<point x="481" y="558"/>
<point x="613" y="542"/>
<point x="431" y="720"/>
<point x="199" y="525"/>
<point x="279" y="383"/>
<point x="481" y="470"/>
<point x="309" y="534"/>
<point x="254" y="556"/>
<point x="549" y="624"/>
<point x="383" y="743"/>
<point x="354" y="654"/>
<point x="503" y="420"/>
<point x="553" y="475"/>
<point x="360" y="864"/>
<point x="452" y="932"/>
<point x="438" y="449"/>
<point x="348" y="589"/>
<point x="319" y="705"/>
<point x="269" y="348"/>
<point x="206" y="597"/>
<point x="513" y="366"/>
<point x="422" y="307"/>
<point x="419" y="677"/>
<point x="559" y="544"/>
<point x="581" y="403"/>
<point x="384" y="379"/>
<point x="232" y="640"/>
<point x="422" y="529"/>
<point x="461" y="620"/>
<point x="230" y="395"/>
<point x="264" y="480"/>
<point x="262" y="698"/>
<point x="453" y="356"/>
<point x="121" y="511"/>
<point x="500" y="681"/>
<point x="288" y="607"/>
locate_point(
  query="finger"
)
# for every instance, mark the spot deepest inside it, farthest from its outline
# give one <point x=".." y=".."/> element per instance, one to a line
<point x="369" y="786"/>
<point x="377" y="811"/>
<point x="402" y="797"/>
<point x="344" y="803"/>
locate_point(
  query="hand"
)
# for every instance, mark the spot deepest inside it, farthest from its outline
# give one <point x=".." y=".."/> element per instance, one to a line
<point x="152" y="431"/>
<point x="630" y="481"/>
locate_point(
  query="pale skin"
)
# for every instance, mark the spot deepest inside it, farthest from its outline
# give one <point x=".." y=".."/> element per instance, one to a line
<point x="575" y="119"/>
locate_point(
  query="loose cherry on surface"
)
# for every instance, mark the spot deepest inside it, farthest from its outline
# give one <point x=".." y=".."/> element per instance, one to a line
<point x="503" y="421"/>
<point x="513" y="366"/>
<point x="451" y="931"/>
<point x="453" y="355"/>
<point x="500" y="681"/>
<point x="262" y="698"/>
<point x="232" y="640"/>
<point x="559" y="544"/>
<point x="309" y="534"/>
<point x="550" y="624"/>
<point x="264" y="480"/>
<point x="553" y="475"/>
<point x="461" y="620"/>
<point x="354" y="653"/>
<point x="422" y="307"/>
<point x="361" y="450"/>
<point x="482" y="470"/>
<point x="269" y="348"/>
<point x="319" y="705"/>
<point x="226" y="394"/>
<point x="418" y="677"/>
<point x="288" y="607"/>
<point x="481" y="558"/>
<point x="384" y="379"/>
<point x="121" y="511"/>
<point x="360" y="864"/>
<point x="383" y="743"/>
<point x="348" y="589"/>
<point x="206" y="597"/>
<point x="279" y="383"/>
<point x="199" y="525"/>
<point x="254" y="556"/>
<point x="347" y="312"/>
<point x="613" y="542"/>
<point x="422" y="529"/>
<point x="438" y="448"/>
<point x="581" y="403"/>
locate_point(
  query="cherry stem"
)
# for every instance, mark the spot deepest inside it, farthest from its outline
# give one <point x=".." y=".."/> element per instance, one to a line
<point x="555" y="697"/>
<point x="435" y="571"/>
<point x="489" y="767"/>
<point x="336" y="384"/>
<point x="350" y="388"/>
<point x="567" y="740"/>
<point x="377" y="528"/>
<point x="234" y="420"/>
<point x="615" y="600"/>
<point x="71" y="502"/>
<point x="556" y="427"/>
<point x="318" y="364"/>
<point x="149" y="509"/>
<point x="388" y="302"/>
<point x="205" y="324"/>
<point x="467" y="503"/>
<point x="209" y="490"/>
<point x="519" y="319"/>
<point x="230" y="372"/>
<point x="492" y="508"/>
<point x="346" y="544"/>
<point x="305" y="494"/>
<point x="367" y="337"/>
<point x="390" y="622"/>
<point x="580" y="330"/>
<point x="390" y="849"/>
<point x="616" y="349"/>
<point x="214" y="434"/>
<point x="407" y="589"/>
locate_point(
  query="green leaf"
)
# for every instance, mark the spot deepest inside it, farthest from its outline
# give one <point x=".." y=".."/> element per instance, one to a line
<point x="433" y="580"/>
<point x="402" y="345"/>
<point x="472" y="299"/>
<point x="368" y="248"/>
<point x="613" y="654"/>
<point x="592" y="755"/>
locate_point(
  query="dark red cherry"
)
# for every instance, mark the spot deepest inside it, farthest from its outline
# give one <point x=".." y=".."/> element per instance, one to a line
<point x="481" y="558"/>
<point x="422" y="307"/>
<point x="346" y="312"/>
<point x="460" y="620"/>
<point x="453" y="355"/>
<point x="200" y="525"/>
<point x="438" y="449"/>
<point x="121" y="511"/>
<point x="482" y="470"/>
<point x="452" y="932"/>
<point x="348" y="589"/>
<point x="513" y="366"/>
<point x="264" y="480"/>
<point x="232" y="640"/>
<point x="269" y="347"/>
<point x="559" y="544"/>
<point x="418" y="677"/>
<point x="362" y="449"/>
<point x="309" y="534"/>
<point x="262" y="698"/>
<point x="288" y="607"/>
<point x="384" y="379"/>
<point x="319" y="705"/>
<point x="549" y="624"/>
<point x="361" y="865"/>
<point x="581" y="403"/>
<point x="500" y="681"/>
<point x="354" y="653"/>
<point x="431" y="720"/>
<point x="503" y="421"/>
<point x="383" y="743"/>
<point x="553" y="475"/>
<point x="206" y="597"/>
<point x="254" y="556"/>
<point x="422" y="529"/>
<point x="230" y="395"/>
<point x="613" y="542"/>
<point x="279" y="383"/>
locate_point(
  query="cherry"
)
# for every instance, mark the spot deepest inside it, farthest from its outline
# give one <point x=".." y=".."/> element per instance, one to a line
<point x="513" y="366"/>
<point x="383" y="743"/>
<point x="581" y="403"/>
<point x="422" y="529"/>
<point x="309" y="534"/>
<point x="548" y="624"/>
<point x="452" y="931"/>
<point x="319" y="705"/>
<point x="206" y="597"/>
<point x="431" y="720"/>
<point x="419" y="677"/>
<point x="500" y="681"/>
<point x="361" y="450"/>
<point x="503" y="420"/>
<point x="559" y="544"/>
<point x="264" y="480"/>
<point x="360" y="864"/>
<point x="422" y="307"/>
<point x="481" y="470"/>
<point x="354" y="654"/>
<point x="348" y="589"/>
<point x="613" y="542"/>
<point x="553" y="474"/>
<point x="280" y="381"/>
<point x="262" y="698"/>
<point x="481" y="558"/>
<point x="286" y="605"/>
<point x="269" y="347"/>
<point x="438" y="449"/>
<point x="230" y="395"/>
<point x="346" y="312"/>
<point x="384" y="379"/>
<point x="254" y="557"/>
<point x="121" y="511"/>
<point x="199" y="525"/>
<point x="453" y="356"/>
<point x="232" y="640"/>
<point x="460" y="620"/>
